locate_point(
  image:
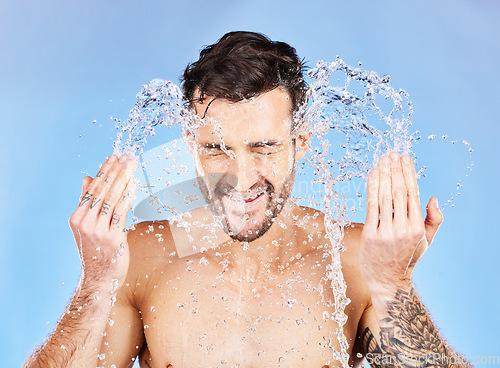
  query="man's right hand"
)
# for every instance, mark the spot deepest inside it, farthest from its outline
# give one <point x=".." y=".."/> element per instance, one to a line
<point x="98" y="224"/>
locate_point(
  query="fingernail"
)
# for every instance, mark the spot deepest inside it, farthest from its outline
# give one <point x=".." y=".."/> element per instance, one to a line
<point x="131" y="166"/>
<point x="384" y="161"/>
<point x="407" y="159"/>
<point x="395" y="157"/>
<point x="112" y="158"/>
<point x="437" y="204"/>
<point x="123" y="158"/>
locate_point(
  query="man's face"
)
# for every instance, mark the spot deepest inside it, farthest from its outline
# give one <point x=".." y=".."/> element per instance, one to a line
<point x="248" y="147"/>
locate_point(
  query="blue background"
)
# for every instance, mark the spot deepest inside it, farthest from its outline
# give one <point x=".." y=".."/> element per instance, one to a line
<point x="64" y="64"/>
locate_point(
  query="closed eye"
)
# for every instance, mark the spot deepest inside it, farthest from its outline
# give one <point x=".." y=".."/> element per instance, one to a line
<point x="265" y="152"/>
<point x="213" y="149"/>
<point x="266" y="148"/>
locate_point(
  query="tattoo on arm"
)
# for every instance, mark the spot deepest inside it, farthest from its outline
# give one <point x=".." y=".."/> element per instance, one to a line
<point x="374" y="354"/>
<point x="100" y="174"/>
<point x="146" y="361"/>
<point x="409" y="338"/>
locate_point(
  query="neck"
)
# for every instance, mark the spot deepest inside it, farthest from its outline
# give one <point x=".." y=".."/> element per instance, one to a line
<point x="267" y="254"/>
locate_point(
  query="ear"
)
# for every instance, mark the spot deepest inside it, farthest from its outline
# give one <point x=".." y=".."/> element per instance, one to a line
<point x="302" y="143"/>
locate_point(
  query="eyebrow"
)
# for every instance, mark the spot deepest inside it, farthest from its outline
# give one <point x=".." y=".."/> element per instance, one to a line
<point x="261" y="144"/>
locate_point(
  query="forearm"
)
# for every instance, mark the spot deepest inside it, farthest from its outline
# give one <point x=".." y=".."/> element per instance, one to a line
<point x="407" y="332"/>
<point x="77" y="337"/>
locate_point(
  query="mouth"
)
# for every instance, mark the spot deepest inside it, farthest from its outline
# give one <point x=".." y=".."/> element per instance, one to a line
<point x="254" y="197"/>
<point x="247" y="200"/>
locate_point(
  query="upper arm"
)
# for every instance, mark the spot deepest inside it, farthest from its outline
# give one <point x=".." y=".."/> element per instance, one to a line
<point x="368" y="331"/>
<point x="124" y="335"/>
<point x="368" y="341"/>
<point x="369" y="337"/>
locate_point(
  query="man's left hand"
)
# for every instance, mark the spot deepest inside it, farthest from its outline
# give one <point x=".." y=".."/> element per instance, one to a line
<point x="395" y="234"/>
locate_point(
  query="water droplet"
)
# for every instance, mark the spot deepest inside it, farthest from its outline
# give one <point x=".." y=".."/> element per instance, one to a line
<point x="114" y="285"/>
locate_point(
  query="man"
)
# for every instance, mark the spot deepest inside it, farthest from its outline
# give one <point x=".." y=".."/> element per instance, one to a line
<point x="262" y="298"/>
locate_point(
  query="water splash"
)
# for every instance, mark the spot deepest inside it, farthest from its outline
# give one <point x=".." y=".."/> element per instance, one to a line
<point x="350" y="113"/>
<point x="356" y="116"/>
<point x="158" y="103"/>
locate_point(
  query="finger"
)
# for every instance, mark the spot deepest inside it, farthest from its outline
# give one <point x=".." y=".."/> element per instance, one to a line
<point x="399" y="195"/>
<point x="86" y="182"/>
<point x="385" y="195"/>
<point x="433" y="220"/>
<point x="104" y="185"/>
<point x="372" y="207"/>
<point x="90" y="191"/>
<point x="414" y="209"/>
<point x="108" y="214"/>
<point x="119" y="221"/>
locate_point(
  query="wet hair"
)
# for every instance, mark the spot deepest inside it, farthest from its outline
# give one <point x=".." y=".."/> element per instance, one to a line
<point x="242" y="65"/>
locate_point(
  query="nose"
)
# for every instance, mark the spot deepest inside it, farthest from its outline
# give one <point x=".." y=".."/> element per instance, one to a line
<point x="244" y="170"/>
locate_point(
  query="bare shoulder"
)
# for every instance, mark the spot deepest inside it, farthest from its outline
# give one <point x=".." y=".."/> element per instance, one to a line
<point x="312" y="221"/>
<point x="149" y="237"/>
<point x="150" y="244"/>
<point x="315" y="229"/>
<point x="352" y="238"/>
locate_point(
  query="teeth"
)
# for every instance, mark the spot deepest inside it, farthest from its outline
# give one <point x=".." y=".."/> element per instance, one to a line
<point x="252" y="197"/>
<point x="255" y="195"/>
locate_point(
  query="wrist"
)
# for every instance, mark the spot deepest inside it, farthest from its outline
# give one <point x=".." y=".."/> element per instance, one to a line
<point x="386" y="281"/>
<point x="92" y="288"/>
<point x="386" y="290"/>
<point x="384" y="295"/>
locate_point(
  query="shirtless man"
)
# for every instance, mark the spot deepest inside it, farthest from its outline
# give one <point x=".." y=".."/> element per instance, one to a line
<point x="261" y="299"/>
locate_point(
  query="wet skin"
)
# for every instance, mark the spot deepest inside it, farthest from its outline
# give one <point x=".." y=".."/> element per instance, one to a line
<point x="207" y="308"/>
<point x="267" y="303"/>
<point x="270" y="305"/>
<point x="259" y="295"/>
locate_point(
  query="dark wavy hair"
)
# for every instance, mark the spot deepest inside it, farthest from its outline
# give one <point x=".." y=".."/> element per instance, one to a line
<point x="242" y="65"/>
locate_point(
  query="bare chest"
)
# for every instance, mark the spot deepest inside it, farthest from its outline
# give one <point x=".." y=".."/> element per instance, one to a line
<point x="205" y="318"/>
